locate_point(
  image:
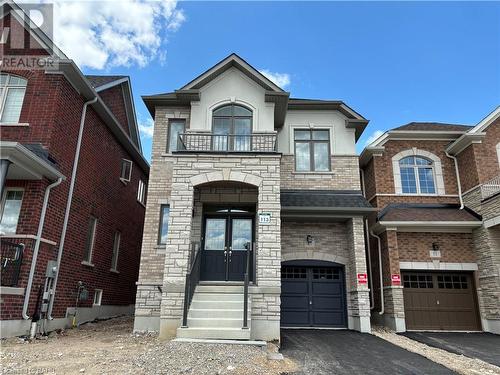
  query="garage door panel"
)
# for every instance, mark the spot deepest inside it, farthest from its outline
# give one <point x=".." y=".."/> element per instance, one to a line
<point x="327" y="318"/>
<point x="294" y="302"/>
<point x="295" y="287"/>
<point x="327" y="288"/>
<point x="295" y="318"/>
<point x="327" y="303"/>
<point x="439" y="301"/>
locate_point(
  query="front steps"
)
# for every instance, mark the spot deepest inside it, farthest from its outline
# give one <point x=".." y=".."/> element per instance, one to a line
<point x="216" y="312"/>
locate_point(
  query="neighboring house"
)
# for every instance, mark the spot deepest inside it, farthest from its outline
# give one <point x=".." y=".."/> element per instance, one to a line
<point x="73" y="182"/>
<point x="440" y="260"/>
<point x="241" y="172"/>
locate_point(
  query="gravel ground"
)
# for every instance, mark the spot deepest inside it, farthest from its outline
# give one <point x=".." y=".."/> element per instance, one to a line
<point x="109" y="347"/>
<point x="458" y="363"/>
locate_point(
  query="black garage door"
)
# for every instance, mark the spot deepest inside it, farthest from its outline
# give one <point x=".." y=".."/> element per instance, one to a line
<point x="312" y="295"/>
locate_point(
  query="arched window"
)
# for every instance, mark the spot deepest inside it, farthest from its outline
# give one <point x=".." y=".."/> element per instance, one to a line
<point x="12" y="90"/>
<point x="417" y="175"/>
<point x="232" y="128"/>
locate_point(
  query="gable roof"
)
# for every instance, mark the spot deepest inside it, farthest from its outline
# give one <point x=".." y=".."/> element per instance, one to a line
<point x="433" y="126"/>
<point x="98" y="81"/>
<point x="233" y="60"/>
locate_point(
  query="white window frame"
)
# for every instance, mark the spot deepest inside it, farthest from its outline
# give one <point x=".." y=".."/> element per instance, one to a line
<point x="92" y="243"/>
<point x="116" y="251"/>
<point x="436" y="167"/>
<point x="3" y="98"/>
<point x="4" y="200"/>
<point x="97" y="293"/>
<point x="126" y="179"/>
<point x="498" y="153"/>
<point x="141" y="192"/>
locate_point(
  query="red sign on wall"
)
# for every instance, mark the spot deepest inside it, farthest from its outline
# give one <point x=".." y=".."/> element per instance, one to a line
<point x="396" y="279"/>
<point x="362" y="278"/>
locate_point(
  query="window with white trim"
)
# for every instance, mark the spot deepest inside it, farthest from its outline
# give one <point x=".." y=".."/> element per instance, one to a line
<point x="12" y="90"/>
<point x="163" y="230"/>
<point x="498" y="153"/>
<point x="126" y="170"/>
<point x="97" y="297"/>
<point x="11" y="209"/>
<point x="141" y="192"/>
<point x="417" y="175"/>
<point x="89" y="244"/>
<point x="116" y="250"/>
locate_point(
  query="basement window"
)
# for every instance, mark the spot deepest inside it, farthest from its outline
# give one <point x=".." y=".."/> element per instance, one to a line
<point x="97" y="297"/>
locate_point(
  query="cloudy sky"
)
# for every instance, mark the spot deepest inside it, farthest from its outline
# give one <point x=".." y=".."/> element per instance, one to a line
<point x="394" y="62"/>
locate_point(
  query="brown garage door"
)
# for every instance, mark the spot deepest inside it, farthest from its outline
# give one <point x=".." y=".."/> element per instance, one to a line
<point x="440" y="301"/>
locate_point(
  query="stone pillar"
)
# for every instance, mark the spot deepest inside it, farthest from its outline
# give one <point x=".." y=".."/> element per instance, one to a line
<point x="394" y="315"/>
<point x="358" y="299"/>
<point x="176" y="257"/>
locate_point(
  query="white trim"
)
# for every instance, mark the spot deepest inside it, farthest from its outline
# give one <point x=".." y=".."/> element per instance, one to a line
<point x="442" y="266"/>
<point x="2" y="207"/>
<point x="498" y="153"/>
<point x="111" y="84"/>
<point x="97" y="293"/>
<point x="13" y="291"/>
<point x="485" y="122"/>
<point x="88" y="261"/>
<point x="28" y="236"/>
<point x="492" y="222"/>
<point x="14" y="124"/>
<point x="436" y="168"/>
<point x="116" y="250"/>
<point x="131" y="163"/>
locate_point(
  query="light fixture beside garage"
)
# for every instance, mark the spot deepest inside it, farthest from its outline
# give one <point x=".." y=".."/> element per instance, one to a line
<point x="435" y="252"/>
<point x="310" y="240"/>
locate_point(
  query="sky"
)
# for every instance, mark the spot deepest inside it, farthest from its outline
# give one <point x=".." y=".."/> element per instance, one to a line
<point x="393" y="62"/>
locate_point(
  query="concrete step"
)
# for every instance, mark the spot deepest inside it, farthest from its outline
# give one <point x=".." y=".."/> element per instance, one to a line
<point x="214" y="333"/>
<point x="212" y="304"/>
<point x="216" y="322"/>
<point x="224" y="289"/>
<point x="218" y="297"/>
<point x="219" y="313"/>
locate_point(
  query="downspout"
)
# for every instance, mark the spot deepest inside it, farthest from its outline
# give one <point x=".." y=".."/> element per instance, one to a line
<point x="68" y="203"/>
<point x="458" y="179"/>
<point x="37" y="246"/>
<point x="382" y="308"/>
<point x="367" y="239"/>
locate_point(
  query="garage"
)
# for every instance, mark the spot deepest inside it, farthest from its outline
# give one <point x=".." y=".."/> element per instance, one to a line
<point x="440" y="301"/>
<point x="312" y="294"/>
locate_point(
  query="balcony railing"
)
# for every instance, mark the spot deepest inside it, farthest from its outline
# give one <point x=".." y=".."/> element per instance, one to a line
<point x="490" y="188"/>
<point x="11" y="254"/>
<point x="227" y="143"/>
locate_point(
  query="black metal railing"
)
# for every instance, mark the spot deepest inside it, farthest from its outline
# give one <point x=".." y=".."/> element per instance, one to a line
<point x="11" y="255"/>
<point x="248" y="246"/>
<point x="217" y="143"/>
<point x="192" y="279"/>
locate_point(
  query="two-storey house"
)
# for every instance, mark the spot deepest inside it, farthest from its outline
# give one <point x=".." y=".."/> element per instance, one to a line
<point x="433" y="248"/>
<point x="73" y="182"/>
<point x="254" y="219"/>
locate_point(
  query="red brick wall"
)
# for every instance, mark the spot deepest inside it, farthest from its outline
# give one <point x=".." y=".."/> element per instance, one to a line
<point x="113" y="97"/>
<point x="53" y="109"/>
<point x="467" y="168"/>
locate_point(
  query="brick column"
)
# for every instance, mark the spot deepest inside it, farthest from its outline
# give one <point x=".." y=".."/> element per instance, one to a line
<point x="358" y="299"/>
<point x="176" y="256"/>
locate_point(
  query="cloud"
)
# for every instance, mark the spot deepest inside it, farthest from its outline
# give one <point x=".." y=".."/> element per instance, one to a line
<point x="281" y="79"/>
<point x="146" y="128"/>
<point x="105" y="34"/>
<point x="373" y="137"/>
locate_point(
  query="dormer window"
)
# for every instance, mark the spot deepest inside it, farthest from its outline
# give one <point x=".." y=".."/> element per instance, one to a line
<point x="12" y="90"/>
<point x="417" y="175"/>
<point x="232" y="128"/>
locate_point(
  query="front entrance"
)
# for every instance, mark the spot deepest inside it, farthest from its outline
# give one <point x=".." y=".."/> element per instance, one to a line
<point x="224" y="252"/>
<point x="440" y="301"/>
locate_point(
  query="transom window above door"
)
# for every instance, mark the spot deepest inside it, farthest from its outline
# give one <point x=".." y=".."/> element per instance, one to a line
<point x="417" y="175"/>
<point x="312" y="150"/>
<point x="232" y="128"/>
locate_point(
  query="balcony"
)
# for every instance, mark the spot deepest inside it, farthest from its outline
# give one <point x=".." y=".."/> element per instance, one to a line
<point x="227" y="143"/>
<point x="11" y="253"/>
<point x="490" y="188"/>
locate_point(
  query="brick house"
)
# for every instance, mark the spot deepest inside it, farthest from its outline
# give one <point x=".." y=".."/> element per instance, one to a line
<point x="73" y="181"/>
<point x="254" y="219"/>
<point x="434" y="240"/>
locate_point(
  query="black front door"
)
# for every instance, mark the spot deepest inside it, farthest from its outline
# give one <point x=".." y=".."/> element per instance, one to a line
<point x="224" y="253"/>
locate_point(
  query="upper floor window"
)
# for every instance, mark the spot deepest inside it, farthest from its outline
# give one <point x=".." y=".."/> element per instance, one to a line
<point x="175" y="128"/>
<point x="12" y="90"/>
<point x="232" y="128"/>
<point x="141" y="192"/>
<point x="89" y="242"/>
<point x="116" y="250"/>
<point x="312" y="150"/>
<point x="417" y="175"/>
<point x="126" y="170"/>
<point x="163" y="230"/>
<point x="10" y="211"/>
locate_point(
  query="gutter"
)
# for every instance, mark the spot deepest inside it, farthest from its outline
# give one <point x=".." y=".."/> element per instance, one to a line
<point x="458" y="179"/>
<point x="37" y="246"/>
<point x="68" y="203"/>
<point x="382" y="305"/>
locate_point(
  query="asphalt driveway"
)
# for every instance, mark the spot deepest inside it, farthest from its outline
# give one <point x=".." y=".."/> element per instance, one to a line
<point x="347" y="352"/>
<point x="485" y="346"/>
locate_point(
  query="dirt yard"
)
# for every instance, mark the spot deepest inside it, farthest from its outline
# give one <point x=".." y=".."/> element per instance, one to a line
<point x="109" y="347"/>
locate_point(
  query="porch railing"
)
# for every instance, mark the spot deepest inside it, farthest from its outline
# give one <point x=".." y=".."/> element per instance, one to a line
<point x="490" y="187"/>
<point x="227" y="143"/>
<point x="192" y="279"/>
<point x="248" y="247"/>
<point x="11" y="254"/>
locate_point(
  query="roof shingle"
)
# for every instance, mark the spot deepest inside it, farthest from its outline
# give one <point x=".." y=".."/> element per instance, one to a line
<point x="426" y="212"/>
<point x="324" y="199"/>
<point x="98" y="81"/>
<point x="434" y="126"/>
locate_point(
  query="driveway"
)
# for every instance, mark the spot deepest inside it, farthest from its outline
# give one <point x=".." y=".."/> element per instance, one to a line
<point x="484" y="346"/>
<point x="346" y="352"/>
